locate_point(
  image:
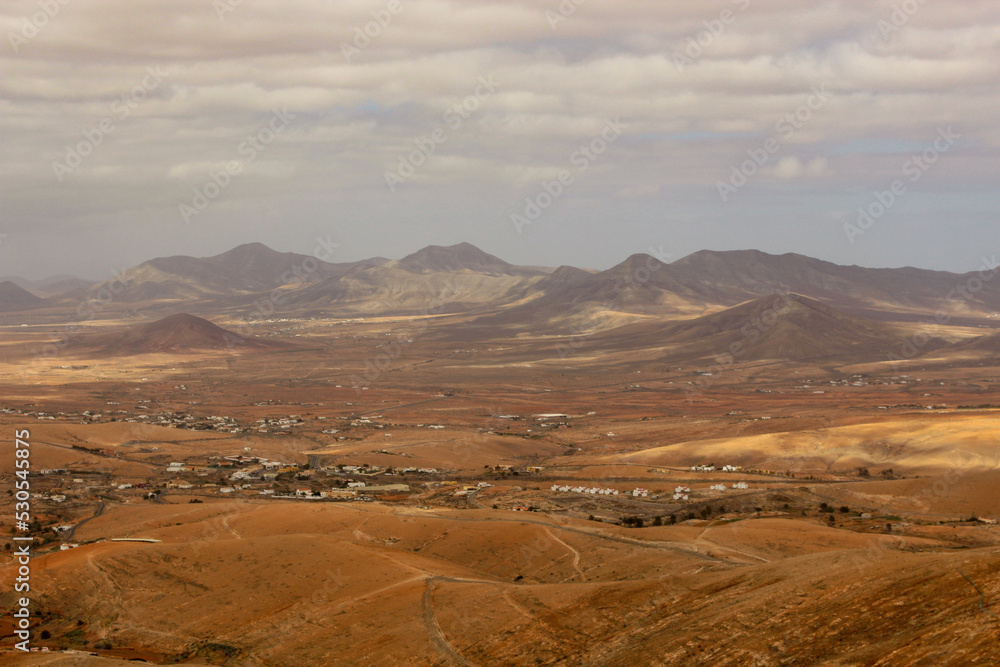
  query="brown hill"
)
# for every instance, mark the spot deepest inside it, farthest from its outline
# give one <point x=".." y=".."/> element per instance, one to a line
<point x="431" y="281"/>
<point x="14" y="297"/>
<point x="742" y="272"/>
<point x="644" y="285"/>
<point x="458" y="258"/>
<point x="336" y="584"/>
<point x="52" y="285"/>
<point x="638" y="284"/>
<point x="571" y="299"/>
<point x="783" y="327"/>
<point x="174" y="334"/>
<point x="988" y="345"/>
<point x="246" y="269"/>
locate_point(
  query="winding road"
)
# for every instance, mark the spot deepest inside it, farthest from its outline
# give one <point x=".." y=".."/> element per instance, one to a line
<point x="98" y="512"/>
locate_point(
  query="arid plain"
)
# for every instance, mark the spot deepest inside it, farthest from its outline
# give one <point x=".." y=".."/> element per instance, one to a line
<point x="731" y="459"/>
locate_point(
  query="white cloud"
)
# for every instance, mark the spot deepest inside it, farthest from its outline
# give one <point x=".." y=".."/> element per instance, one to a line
<point x="638" y="191"/>
<point x="792" y="167"/>
<point x="556" y="89"/>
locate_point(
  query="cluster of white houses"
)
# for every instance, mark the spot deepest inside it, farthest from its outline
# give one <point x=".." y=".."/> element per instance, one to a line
<point x="638" y="492"/>
<point x="682" y="493"/>
<point x="592" y="490"/>
<point x="725" y="468"/>
<point x="736" y="485"/>
<point x="280" y="424"/>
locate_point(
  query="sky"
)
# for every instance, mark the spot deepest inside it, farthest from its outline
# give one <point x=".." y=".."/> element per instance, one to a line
<point x="546" y="132"/>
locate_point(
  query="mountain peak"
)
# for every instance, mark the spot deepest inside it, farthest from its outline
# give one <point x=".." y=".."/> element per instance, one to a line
<point x="707" y="259"/>
<point x="637" y="261"/>
<point x="790" y="327"/>
<point x="15" y="297"/>
<point x="458" y="257"/>
<point x="706" y="253"/>
<point x="180" y="332"/>
<point x="255" y="249"/>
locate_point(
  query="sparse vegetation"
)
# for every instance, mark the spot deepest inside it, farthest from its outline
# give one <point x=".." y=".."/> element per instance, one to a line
<point x="310" y="569"/>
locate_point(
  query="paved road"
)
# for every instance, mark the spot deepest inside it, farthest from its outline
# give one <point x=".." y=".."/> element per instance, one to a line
<point x="72" y="531"/>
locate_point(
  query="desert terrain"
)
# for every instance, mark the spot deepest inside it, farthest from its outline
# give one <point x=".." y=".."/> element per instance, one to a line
<point x="260" y="458"/>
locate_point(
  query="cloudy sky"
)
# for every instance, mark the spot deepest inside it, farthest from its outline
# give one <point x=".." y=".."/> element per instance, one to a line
<point x="546" y="132"/>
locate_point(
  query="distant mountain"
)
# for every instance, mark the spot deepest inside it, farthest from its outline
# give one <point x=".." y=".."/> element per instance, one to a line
<point x="463" y="278"/>
<point x="706" y="280"/>
<point x="13" y="297"/>
<point x="246" y="269"/>
<point x="779" y="327"/>
<point x="901" y="289"/>
<point x="51" y="285"/>
<point x="173" y="334"/>
<point x="573" y="299"/>
<point x="463" y="257"/>
<point x="434" y="280"/>
<point x="64" y="285"/>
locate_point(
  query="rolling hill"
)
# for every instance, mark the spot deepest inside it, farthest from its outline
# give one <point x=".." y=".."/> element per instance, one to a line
<point x="781" y="327"/>
<point x="708" y="279"/>
<point x="177" y="333"/>
<point x="740" y="272"/>
<point x="987" y="346"/>
<point x="52" y="285"/>
<point x="247" y="269"/>
<point x="14" y="297"/>
<point x="462" y="257"/>
<point x="431" y="281"/>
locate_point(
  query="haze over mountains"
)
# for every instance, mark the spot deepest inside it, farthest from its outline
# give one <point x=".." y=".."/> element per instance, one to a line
<point x="51" y="285"/>
<point x="14" y="297"/>
<point x="247" y="269"/>
<point x="699" y="304"/>
<point x="465" y="274"/>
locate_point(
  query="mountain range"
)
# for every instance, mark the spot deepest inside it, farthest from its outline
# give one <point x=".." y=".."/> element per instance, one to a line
<point x="464" y="278"/>
<point x="697" y="305"/>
